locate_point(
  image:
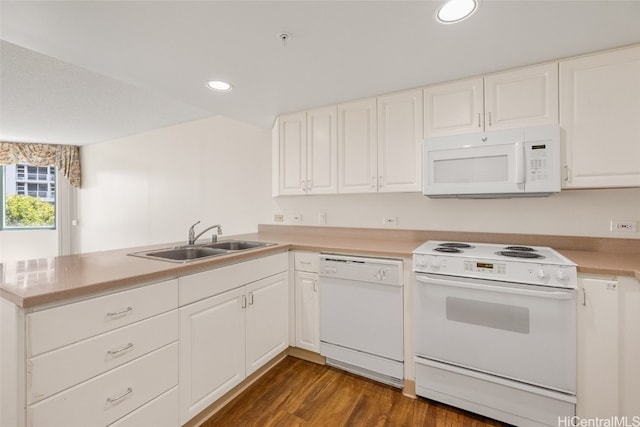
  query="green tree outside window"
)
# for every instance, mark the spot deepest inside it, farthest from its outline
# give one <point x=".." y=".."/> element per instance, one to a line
<point x="28" y="211"/>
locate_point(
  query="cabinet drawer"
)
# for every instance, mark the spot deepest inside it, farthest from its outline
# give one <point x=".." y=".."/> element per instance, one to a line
<point x="108" y="397"/>
<point x="57" y="370"/>
<point x="307" y="261"/>
<point x="63" y="325"/>
<point x="218" y="280"/>
<point x="160" y="412"/>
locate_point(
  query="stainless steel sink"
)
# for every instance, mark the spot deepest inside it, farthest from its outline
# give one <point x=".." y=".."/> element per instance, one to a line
<point x="183" y="254"/>
<point x="237" y="245"/>
<point x="196" y="252"/>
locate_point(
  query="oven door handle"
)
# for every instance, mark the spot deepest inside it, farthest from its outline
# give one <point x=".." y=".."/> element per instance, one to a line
<point x="559" y="295"/>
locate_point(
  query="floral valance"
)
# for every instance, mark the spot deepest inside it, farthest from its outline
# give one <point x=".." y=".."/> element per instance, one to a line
<point x="66" y="158"/>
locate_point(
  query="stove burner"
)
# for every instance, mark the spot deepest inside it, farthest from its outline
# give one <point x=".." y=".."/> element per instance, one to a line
<point x="520" y="248"/>
<point x="455" y="245"/>
<point x="519" y="254"/>
<point x="448" y="250"/>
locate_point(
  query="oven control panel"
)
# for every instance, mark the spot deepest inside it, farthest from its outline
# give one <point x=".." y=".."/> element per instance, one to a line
<point x="485" y="267"/>
<point x="534" y="273"/>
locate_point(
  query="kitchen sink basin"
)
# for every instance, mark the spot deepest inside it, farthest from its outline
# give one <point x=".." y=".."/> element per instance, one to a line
<point x="196" y="252"/>
<point x="183" y="254"/>
<point x="237" y="245"/>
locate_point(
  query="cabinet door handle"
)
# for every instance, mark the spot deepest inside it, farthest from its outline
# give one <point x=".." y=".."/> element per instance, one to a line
<point x="120" y="313"/>
<point x="120" y="350"/>
<point x="490" y="124"/>
<point x="250" y="298"/>
<point x="315" y="286"/>
<point x="119" y="397"/>
<point x="479" y="121"/>
<point x="373" y="182"/>
<point x="380" y="181"/>
<point x="567" y="173"/>
<point x="243" y="303"/>
<point x="309" y="185"/>
<point x="584" y="297"/>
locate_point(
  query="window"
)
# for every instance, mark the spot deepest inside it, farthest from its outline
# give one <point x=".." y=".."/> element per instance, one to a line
<point x="28" y="197"/>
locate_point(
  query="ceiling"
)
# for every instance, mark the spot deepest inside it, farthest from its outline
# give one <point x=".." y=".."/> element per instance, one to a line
<point x="81" y="72"/>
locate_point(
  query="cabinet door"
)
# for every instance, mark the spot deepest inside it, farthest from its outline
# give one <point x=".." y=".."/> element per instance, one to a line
<point x="307" y="309"/>
<point x="267" y="318"/>
<point x="599" y="111"/>
<point x="520" y="98"/>
<point x="400" y="121"/>
<point x="292" y="137"/>
<point x="629" y="289"/>
<point x="598" y="345"/>
<point x="212" y="349"/>
<point x="454" y="108"/>
<point x="322" y="151"/>
<point x="357" y="147"/>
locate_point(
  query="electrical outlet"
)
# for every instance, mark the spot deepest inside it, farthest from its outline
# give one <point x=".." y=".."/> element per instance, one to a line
<point x="623" y="226"/>
<point x="322" y="218"/>
<point x="296" y="218"/>
<point x="278" y="218"/>
<point x="390" y="220"/>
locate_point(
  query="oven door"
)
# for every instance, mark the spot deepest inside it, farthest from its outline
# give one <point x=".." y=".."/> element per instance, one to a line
<point x="522" y="332"/>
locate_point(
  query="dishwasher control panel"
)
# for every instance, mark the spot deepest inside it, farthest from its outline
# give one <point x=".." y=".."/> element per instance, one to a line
<point x="378" y="270"/>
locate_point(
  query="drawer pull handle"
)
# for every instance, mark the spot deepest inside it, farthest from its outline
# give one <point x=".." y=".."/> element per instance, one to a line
<point x="116" y="399"/>
<point x="120" y="313"/>
<point x="120" y="350"/>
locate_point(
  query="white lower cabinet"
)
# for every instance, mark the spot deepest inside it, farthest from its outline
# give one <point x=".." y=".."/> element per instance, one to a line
<point x="227" y="336"/>
<point x="307" y="301"/>
<point x="93" y="362"/>
<point x="608" y="347"/>
<point x="108" y="397"/>
<point x="212" y="347"/>
<point x="160" y="412"/>
<point x="267" y="320"/>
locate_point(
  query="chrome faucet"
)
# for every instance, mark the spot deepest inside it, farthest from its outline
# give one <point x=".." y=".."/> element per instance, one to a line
<point x="192" y="234"/>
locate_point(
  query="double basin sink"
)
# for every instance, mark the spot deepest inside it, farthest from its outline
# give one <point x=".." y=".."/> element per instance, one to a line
<point x="197" y="252"/>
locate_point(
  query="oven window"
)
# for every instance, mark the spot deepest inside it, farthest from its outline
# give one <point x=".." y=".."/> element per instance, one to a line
<point x="489" y="314"/>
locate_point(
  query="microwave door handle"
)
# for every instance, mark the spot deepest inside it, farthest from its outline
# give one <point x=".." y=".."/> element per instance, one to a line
<point x="520" y="164"/>
<point x="558" y="295"/>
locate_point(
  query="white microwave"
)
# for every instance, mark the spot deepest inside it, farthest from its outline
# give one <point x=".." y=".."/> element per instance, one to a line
<point x="522" y="162"/>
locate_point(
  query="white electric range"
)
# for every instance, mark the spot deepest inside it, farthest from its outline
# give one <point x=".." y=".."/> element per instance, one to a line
<point x="495" y="330"/>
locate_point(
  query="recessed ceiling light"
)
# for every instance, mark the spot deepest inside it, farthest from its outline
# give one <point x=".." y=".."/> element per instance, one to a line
<point x="453" y="11"/>
<point x="219" y="85"/>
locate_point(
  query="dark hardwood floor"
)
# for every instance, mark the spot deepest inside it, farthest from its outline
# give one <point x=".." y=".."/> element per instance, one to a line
<point x="300" y="393"/>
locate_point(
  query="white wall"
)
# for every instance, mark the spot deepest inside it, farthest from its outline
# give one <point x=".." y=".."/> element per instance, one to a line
<point x="27" y="244"/>
<point x="149" y="188"/>
<point x="572" y="212"/>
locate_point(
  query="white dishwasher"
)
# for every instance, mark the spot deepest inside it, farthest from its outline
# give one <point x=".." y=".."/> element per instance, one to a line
<point x="361" y="328"/>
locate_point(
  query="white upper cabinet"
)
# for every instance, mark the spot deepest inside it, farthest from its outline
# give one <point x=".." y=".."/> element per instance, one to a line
<point x="518" y="98"/>
<point x="322" y="151"/>
<point x="453" y="108"/>
<point x="400" y="121"/>
<point x="357" y="147"/>
<point x="599" y="112"/>
<point x="307" y="148"/>
<point x="379" y="144"/>
<point x="292" y="135"/>
<point x="524" y="97"/>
